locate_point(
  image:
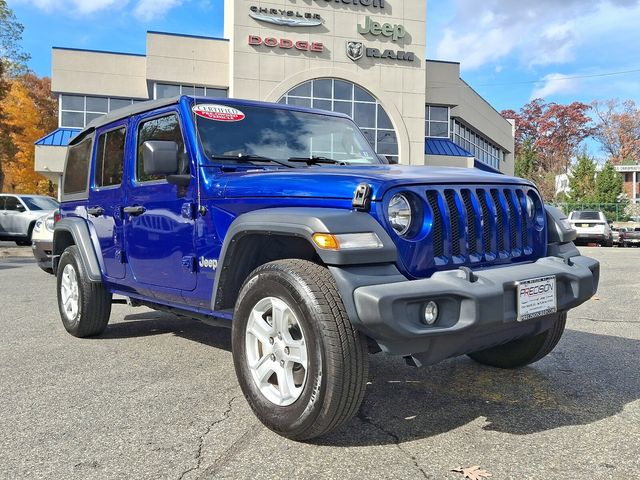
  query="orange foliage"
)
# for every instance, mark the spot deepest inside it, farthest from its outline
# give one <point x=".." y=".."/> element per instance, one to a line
<point x="23" y="111"/>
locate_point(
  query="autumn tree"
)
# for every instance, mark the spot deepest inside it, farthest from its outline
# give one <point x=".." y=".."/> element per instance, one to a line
<point x="549" y="134"/>
<point x="30" y="113"/>
<point x="582" y="180"/>
<point x="13" y="62"/>
<point x="617" y="129"/>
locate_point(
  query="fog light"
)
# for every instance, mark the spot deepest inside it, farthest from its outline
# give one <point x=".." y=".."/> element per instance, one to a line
<point x="431" y="313"/>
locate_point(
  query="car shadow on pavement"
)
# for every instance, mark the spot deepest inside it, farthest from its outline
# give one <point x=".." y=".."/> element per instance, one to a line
<point x="152" y="323"/>
<point x="588" y="378"/>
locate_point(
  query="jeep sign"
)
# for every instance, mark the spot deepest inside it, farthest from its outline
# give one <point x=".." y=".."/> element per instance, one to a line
<point x="395" y="32"/>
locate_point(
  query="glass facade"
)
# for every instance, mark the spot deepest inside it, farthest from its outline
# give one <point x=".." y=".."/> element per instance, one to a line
<point x="345" y="97"/>
<point x="77" y="111"/>
<point x="168" y="90"/>
<point x="474" y="142"/>
<point x="437" y="121"/>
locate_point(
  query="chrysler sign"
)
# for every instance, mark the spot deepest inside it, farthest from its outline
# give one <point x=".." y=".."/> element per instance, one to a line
<point x="286" y="18"/>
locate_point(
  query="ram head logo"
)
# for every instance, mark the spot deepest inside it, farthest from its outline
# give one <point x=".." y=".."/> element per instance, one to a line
<point x="355" y="50"/>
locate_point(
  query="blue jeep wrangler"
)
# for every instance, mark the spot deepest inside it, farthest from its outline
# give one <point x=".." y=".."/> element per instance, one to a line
<point x="285" y="225"/>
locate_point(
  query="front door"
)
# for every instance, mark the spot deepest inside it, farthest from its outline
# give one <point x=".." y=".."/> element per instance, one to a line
<point x="106" y="198"/>
<point x="13" y="207"/>
<point x="159" y="218"/>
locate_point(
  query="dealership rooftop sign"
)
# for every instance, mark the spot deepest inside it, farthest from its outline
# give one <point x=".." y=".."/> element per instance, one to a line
<point x="363" y="3"/>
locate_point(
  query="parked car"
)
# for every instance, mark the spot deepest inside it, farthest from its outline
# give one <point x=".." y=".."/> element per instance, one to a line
<point x="616" y="233"/>
<point x="631" y="237"/>
<point x="42" y="242"/>
<point x="19" y="213"/>
<point x="591" y="227"/>
<point x="284" y="224"/>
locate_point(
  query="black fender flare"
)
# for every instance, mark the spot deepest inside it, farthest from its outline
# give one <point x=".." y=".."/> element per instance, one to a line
<point x="79" y="231"/>
<point x="304" y="223"/>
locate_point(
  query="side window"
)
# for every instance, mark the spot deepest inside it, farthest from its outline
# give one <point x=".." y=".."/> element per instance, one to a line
<point x="163" y="128"/>
<point x="76" y="175"/>
<point x="110" y="158"/>
<point x="12" y="204"/>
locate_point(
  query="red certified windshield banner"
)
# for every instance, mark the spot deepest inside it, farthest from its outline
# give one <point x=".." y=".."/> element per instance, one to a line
<point x="219" y="113"/>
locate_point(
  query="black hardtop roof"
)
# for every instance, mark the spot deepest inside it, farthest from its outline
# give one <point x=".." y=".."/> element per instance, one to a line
<point x="142" y="107"/>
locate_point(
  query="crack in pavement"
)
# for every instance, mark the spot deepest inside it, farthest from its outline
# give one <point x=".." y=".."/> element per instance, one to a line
<point x="396" y="440"/>
<point x="198" y="457"/>
<point x="606" y="321"/>
<point x="222" y="459"/>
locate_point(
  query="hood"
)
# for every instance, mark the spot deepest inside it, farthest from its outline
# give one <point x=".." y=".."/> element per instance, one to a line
<point x="340" y="182"/>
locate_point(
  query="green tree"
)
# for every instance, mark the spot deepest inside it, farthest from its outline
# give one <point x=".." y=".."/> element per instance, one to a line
<point x="526" y="161"/>
<point x="13" y="61"/>
<point x="609" y="185"/>
<point x="609" y="191"/>
<point x="582" y="180"/>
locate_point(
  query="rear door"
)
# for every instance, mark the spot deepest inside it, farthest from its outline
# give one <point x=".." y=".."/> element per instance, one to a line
<point x="107" y="197"/>
<point x="160" y="228"/>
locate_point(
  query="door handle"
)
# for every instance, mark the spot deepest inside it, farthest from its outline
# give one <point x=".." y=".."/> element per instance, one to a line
<point x="134" y="211"/>
<point x="95" y="211"/>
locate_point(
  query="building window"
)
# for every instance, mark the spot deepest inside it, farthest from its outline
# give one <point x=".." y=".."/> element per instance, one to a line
<point x="168" y="90"/>
<point x="475" y="143"/>
<point x="77" y="111"/>
<point x="437" y="121"/>
<point x="345" y="97"/>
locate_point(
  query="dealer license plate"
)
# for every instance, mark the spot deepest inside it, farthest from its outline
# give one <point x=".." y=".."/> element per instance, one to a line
<point x="536" y="298"/>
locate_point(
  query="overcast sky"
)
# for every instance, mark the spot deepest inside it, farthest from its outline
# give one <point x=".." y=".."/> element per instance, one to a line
<point x="511" y="51"/>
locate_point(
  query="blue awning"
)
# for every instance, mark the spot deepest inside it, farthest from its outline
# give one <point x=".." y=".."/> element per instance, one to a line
<point x="58" y="138"/>
<point x="444" y="146"/>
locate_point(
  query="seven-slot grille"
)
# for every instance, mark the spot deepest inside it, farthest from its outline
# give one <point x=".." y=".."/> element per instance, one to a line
<point x="479" y="223"/>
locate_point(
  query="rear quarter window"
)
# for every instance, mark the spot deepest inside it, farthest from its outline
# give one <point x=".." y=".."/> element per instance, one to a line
<point x="76" y="174"/>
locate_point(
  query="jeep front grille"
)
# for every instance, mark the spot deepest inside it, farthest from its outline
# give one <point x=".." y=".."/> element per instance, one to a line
<point x="479" y="224"/>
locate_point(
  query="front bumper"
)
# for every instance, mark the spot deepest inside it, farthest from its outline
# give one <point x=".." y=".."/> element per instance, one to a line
<point x="477" y="310"/>
<point x="42" y="252"/>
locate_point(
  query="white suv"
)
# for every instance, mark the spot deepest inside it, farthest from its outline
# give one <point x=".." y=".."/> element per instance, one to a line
<point x="592" y="227"/>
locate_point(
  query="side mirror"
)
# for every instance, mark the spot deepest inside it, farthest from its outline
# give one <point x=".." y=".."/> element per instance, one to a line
<point x="20" y="208"/>
<point x="160" y="157"/>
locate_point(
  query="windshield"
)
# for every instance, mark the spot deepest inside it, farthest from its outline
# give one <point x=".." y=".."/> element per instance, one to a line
<point x="40" y="203"/>
<point x="280" y="135"/>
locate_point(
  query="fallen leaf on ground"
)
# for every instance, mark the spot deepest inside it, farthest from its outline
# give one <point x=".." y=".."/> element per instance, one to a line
<point x="473" y="473"/>
<point x="596" y="298"/>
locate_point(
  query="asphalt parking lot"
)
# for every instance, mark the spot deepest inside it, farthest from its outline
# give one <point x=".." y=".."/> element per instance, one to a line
<point x="156" y="397"/>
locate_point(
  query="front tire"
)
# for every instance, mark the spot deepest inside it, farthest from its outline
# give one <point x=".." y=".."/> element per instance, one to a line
<point x="85" y="306"/>
<point x="300" y="363"/>
<point x="523" y="351"/>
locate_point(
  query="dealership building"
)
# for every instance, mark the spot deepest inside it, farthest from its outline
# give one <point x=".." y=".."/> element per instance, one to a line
<point x="364" y="58"/>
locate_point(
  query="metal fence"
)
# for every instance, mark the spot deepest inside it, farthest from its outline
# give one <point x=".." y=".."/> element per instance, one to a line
<point x="615" y="212"/>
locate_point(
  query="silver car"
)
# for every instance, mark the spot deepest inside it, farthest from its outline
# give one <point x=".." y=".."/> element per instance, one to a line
<point x="42" y="242"/>
<point x="19" y="213"/>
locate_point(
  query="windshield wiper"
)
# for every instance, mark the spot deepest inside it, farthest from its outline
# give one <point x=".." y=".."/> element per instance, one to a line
<point x="250" y="159"/>
<point x="316" y="160"/>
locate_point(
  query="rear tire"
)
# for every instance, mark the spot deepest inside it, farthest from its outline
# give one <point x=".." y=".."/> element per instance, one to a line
<point x="523" y="351"/>
<point x="85" y="306"/>
<point x="329" y="383"/>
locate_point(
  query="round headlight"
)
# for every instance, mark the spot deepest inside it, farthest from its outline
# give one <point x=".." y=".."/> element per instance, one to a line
<point x="531" y="207"/>
<point x="399" y="214"/>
